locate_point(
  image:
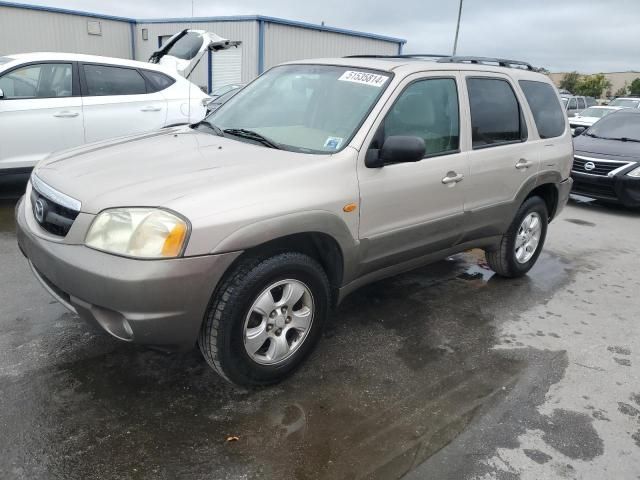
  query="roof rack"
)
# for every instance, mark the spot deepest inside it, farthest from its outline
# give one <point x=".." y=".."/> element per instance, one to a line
<point x="502" y="62"/>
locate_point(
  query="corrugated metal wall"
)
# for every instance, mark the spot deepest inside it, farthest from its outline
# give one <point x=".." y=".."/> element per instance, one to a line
<point x="283" y="43"/>
<point x="23" y="30"/>
<point x="247" y="32"/>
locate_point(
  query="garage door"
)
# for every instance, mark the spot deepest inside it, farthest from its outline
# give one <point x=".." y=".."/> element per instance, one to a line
<point x="226" y="67"/>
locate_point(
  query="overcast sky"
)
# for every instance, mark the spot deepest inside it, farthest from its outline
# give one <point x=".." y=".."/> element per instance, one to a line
<point x="561" y="35"/>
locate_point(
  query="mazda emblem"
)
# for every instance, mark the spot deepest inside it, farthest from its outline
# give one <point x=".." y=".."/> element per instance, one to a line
<point x="38" y="210"/>
<point x="589" y="166"/>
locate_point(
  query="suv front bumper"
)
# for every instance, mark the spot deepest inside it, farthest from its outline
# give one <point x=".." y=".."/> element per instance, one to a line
<point x="153" y="302"/>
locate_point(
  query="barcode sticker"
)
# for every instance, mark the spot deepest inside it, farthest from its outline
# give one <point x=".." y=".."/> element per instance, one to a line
<point x="364" y="78"/>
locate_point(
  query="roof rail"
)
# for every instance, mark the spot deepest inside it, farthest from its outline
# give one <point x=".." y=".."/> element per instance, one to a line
<point x="407" y="55"/>
<point x="502" y="62"/>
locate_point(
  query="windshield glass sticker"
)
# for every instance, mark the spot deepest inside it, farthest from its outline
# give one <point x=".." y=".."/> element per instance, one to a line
<point x="364" y="78"/>
<point x="333" y="143"/>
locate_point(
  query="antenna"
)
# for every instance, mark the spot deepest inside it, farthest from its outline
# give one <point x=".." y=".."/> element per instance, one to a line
<point x="190" y="82"/>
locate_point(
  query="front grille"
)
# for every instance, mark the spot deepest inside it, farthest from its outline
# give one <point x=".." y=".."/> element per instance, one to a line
<point x="598" y="167"/>
<point x="52" y="216"/>
<point x="597" y="190"/>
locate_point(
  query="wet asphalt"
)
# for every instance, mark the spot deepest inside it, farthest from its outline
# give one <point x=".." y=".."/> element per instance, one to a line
<point x="447" y="372"/>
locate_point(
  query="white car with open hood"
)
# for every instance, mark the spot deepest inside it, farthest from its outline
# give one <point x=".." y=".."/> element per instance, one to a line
<point x="55" y="101"/>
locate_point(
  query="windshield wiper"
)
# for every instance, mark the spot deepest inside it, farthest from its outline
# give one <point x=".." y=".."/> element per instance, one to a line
<point x="622" y="139"/>
<point x="218" y="131"/>
<point x="591" y="135"/>
<point x="251" y="135"/>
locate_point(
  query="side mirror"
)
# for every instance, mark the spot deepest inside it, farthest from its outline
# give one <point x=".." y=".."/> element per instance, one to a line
<point x="579" y="131"/>
<point x="1" y="94"/>
<point x="396" y="149"/>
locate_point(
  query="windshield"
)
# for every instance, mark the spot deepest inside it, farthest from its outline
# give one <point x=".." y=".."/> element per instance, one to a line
<point x="620" y="125"/>
<point x="306" y="108"/>
<point x="624" y="102"/>
<point x="595" y="112"/>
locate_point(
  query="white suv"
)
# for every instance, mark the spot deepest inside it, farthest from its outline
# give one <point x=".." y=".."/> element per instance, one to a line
<point x="55" y="101"/>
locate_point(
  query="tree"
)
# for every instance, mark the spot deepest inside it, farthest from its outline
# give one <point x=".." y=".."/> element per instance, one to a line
<point x="569" y="81"/>
<point x="635" y="87"/>
<point x="592" y="85"/>
<point x="622" y="91"/>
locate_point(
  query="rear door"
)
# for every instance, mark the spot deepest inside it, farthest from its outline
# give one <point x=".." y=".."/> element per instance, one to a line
<point x="119" y="101"/>
<point x="501" y="160"/>
<point x="40" y="113"/>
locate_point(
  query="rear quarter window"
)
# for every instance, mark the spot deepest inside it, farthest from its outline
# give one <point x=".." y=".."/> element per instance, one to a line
<point x="547" y="112"/>
<point x="157" y="81"/>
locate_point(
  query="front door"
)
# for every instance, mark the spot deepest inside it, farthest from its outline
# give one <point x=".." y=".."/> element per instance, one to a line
<point x="411" y="209"/>
<point x="40" y="113"/>
<point x="116" y="103"/>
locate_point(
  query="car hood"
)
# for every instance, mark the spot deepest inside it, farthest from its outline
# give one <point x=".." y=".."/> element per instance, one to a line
<point x="158" y="168"/>
<point x="613" y="149"/>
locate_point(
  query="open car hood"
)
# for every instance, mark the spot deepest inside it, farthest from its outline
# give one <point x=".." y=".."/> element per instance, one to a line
<point x="183" y="51"/>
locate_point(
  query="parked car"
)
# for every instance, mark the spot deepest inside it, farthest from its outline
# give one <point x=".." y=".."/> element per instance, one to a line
<point x="220" y="91"/>
<point x="217" y="102"/>
<point x="242" y="232"/>
<point x="591" y="115"/>
<point x="629" y="102"/>
<point x="55" y="101"/>
<point x="575" y="104"/>
<point x="607" y="159"/>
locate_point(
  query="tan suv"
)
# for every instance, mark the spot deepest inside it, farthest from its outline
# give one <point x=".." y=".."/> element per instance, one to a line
<point x="243" y="232"/>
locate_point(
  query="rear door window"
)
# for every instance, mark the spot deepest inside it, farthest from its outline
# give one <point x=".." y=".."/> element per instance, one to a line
<point x="546" y="109"/>
<point x="572" y="104"/>
<point x="42" y="80"/>
<point x="496" y="117"/>
<point x="581" y="104"/>
<point x="107" y="80"/>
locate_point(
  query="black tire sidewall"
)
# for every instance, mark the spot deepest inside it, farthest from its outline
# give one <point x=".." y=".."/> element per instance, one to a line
<point x="234" y="359"/>
<point x="533" y="204"/>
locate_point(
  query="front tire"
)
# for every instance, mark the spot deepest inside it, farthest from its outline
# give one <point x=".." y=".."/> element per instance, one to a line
<point x="265" y="318"/>
<point x="520" y="247"/>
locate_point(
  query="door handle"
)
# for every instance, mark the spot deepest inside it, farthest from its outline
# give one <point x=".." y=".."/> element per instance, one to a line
<point x="150" y="109"/>
<point x="452" y="178"/>
<point x="66" y="114"/>
<point x="523" y="164"/>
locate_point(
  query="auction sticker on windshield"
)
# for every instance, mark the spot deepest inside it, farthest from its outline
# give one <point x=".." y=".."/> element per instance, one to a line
<point x="364" y="78"/>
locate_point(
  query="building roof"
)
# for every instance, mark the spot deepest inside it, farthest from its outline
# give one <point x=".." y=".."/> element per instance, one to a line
<point x="237" y="18"/>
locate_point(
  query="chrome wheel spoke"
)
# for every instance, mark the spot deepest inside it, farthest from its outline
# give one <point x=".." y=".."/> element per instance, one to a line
<point x="528" y="237"/>
<point x="278" y="348"/>
<point x="255" y="337"/>
<point x="265" y="304"/>
<point x="292" y="294"/>
<point x="301" y="319"/>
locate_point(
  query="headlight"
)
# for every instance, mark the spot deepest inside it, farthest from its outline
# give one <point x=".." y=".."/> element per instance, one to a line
<point x="634" y="173"/>
<point x="138" y="232"/>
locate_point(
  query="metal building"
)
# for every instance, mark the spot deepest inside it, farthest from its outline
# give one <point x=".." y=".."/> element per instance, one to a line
<point x="266" y="41"/>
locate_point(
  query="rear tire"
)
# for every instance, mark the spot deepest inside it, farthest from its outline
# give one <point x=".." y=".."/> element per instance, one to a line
<point x="253" y="336"/>
<point x="520" y="247"/>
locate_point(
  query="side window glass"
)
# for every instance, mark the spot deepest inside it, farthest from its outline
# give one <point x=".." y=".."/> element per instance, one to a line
<point x="572" y="104"/>
<point x="107" y="80"/>
<point x="496" y="117"/>
<point x="547" y="112"/>
<point x="427" y="109"/>
<point x="159" y="81"/>
<point x="581" y="104"/>
<point x="44" y="80"/>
